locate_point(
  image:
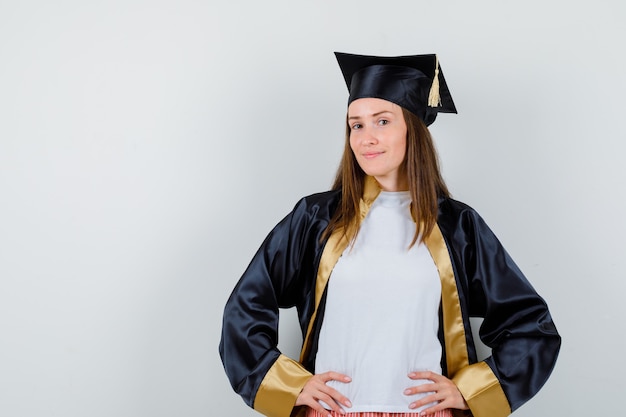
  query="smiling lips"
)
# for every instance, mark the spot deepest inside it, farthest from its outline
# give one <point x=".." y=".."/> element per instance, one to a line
<point x="371" y="155"/>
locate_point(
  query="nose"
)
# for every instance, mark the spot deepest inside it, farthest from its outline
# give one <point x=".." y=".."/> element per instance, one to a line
<point x="369" y="139"/>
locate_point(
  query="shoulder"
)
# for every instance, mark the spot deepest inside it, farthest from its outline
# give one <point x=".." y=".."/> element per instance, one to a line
<point x="314" y="209"/>
<point x="450" y="208"/>
<point x="459" y="219"/>
<point x="323" y="202"/>
<point x="323" y="197"/>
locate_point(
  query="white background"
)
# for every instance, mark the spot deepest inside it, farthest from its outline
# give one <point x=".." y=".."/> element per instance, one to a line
<point x="147" y="147"/>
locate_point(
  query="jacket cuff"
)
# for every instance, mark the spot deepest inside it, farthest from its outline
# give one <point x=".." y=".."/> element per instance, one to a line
<point x="280" y="388"/>
<point x="482" y="391"/>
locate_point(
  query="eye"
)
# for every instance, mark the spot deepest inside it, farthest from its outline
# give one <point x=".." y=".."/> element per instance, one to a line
<point x="356" y="126"/>
<point x="383" y="122"/>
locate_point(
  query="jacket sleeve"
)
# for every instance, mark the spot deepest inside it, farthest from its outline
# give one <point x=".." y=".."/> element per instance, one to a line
<point x="517" y="326"/>
<point x="266" y="380"/>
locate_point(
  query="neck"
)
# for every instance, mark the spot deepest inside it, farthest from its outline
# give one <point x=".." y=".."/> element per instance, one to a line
<point x="396" y="184"/>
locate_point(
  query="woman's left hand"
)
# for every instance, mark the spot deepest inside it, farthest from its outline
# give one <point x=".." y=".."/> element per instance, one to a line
<point x="442" y="391"/>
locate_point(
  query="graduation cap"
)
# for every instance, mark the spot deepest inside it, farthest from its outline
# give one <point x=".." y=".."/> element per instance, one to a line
<point x="414" y="82"/>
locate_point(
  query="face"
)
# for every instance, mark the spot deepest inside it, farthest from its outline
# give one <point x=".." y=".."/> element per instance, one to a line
<point x="378" y="139"/>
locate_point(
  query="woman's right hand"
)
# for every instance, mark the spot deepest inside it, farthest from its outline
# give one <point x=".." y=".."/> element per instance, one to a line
<point x="316" y="389"/>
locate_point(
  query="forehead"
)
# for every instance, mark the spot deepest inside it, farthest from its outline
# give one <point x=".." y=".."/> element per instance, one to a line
<point x="369" y="106"/>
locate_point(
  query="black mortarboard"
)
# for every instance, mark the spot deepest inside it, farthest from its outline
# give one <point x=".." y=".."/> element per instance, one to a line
<point x="414" y="82"/>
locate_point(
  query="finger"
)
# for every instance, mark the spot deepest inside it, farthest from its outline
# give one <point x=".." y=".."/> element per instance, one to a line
<point x="422" y="389"/>
<point x="338" y="397"/>
<point x="320" y="384"/>
<point x="316" y="390"/>
<point x="439" y="401"/>
<point x="328" y="400"/>
<point x="328" y="395"/>
<point x="312" y="400"/>
<point x="335" y="376"/>
<point x="433" y="376"/>
<point x="432" y="410"/>
<point x="333" y="400"/>
<point x="321" y="410"/>
<point x="429" y="399"/>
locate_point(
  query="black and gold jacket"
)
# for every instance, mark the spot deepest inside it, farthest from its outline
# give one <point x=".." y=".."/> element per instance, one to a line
<point x="478" y="279"/>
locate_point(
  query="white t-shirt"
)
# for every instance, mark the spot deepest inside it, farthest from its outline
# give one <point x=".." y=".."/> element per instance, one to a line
<point x="382" y="311"/>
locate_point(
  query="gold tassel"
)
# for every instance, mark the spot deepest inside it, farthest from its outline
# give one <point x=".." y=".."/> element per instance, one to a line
<point x="434" y="99"/>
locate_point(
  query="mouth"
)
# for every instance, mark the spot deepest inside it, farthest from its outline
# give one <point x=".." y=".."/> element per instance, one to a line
<point x="371" y="155"/>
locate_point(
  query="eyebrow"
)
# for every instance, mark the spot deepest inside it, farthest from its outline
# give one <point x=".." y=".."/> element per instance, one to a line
<point x="373" y="115"/>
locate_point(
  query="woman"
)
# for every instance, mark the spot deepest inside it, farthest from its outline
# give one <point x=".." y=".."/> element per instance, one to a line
<point x="385" y="271"/>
